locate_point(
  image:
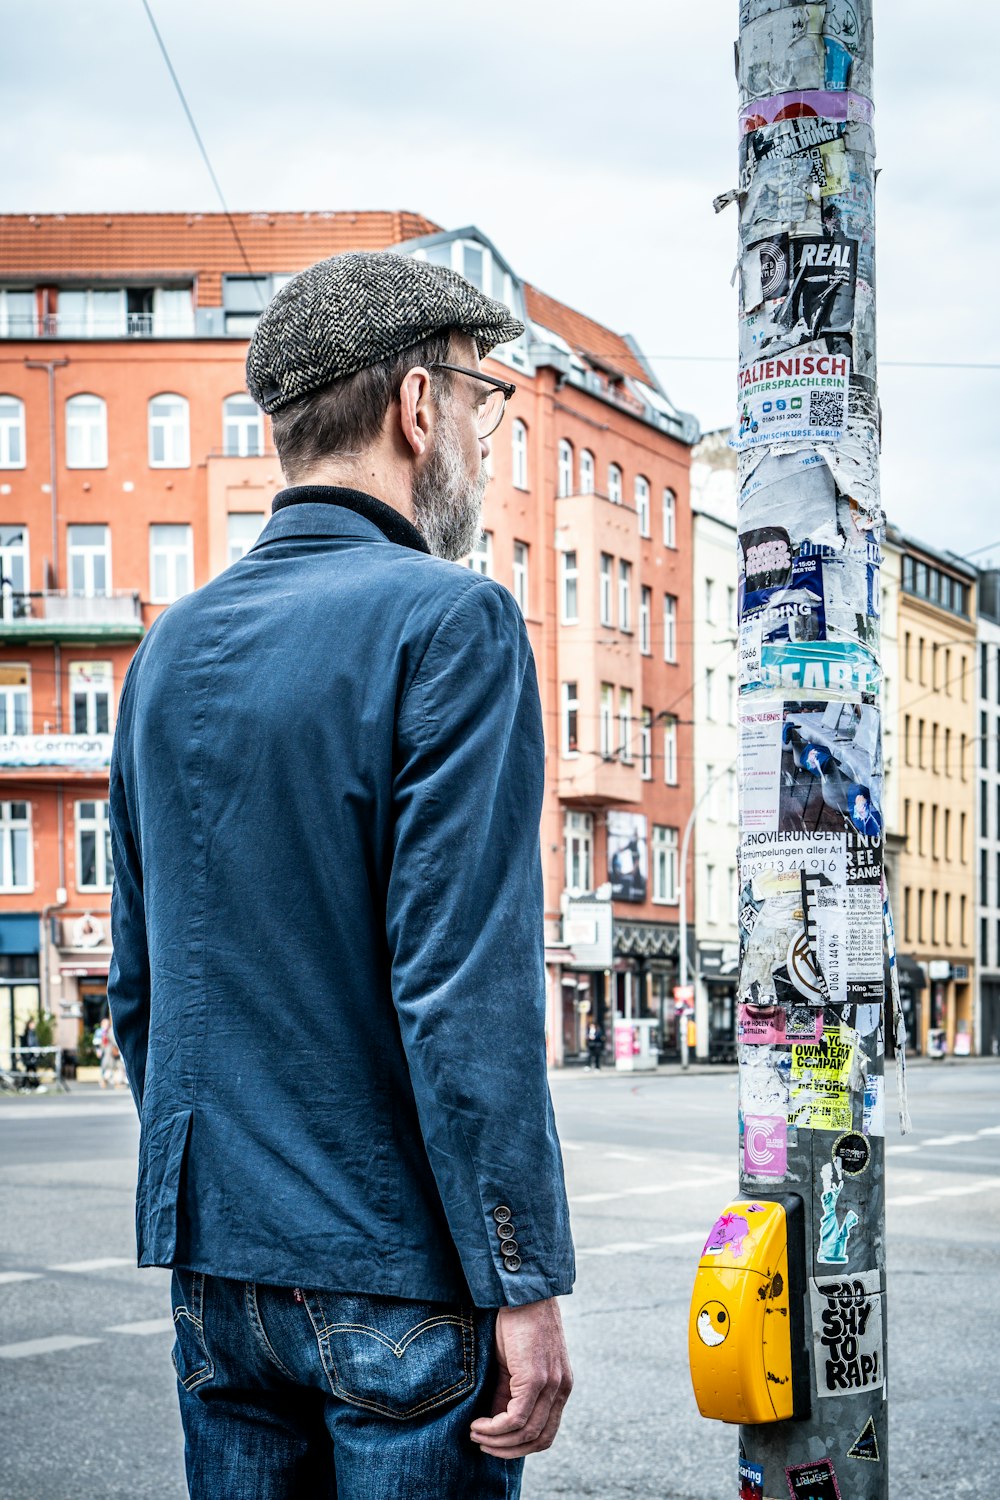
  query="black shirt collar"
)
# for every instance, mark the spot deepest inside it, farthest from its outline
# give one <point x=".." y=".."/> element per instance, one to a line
<point x="393" y="526"/>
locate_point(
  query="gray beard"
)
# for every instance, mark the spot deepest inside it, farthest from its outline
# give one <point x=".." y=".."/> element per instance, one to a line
<point x="447" y="505"/>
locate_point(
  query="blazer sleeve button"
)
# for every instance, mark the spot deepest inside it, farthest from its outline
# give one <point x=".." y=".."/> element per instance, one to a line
<point x="509" y="1247"/>
<point x="512" y="1262"/>
<point x="502" y="1214"/>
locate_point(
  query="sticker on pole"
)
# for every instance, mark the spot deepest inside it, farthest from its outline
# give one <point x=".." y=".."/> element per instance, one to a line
<point x="816" y="1481"/>
<point x="797" y="396"/>
<point x="847" y="1333"/>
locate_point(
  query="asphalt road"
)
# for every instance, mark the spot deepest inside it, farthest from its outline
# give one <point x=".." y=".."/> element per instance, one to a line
<point x="87" y="1403"/>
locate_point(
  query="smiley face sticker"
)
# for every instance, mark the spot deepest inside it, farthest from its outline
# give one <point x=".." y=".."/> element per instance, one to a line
<point x="713" y="1324"/>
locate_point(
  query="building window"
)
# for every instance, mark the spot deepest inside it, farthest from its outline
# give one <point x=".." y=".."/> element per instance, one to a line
<point x="15" y="846"/>
<point x="710" y="790"/>
<point x="731" y="608"/>
<point x="607" y="720"/>
<point x="664" y="865"/>
<point x="642" y="503"/>
<point x="520" y="575"/>
<point x="614" y="484"/>
<point x="171" y="565"/>
<point x="669" y="627"/>
<point x="242" y="428"/>
<point x="961" y="922"/>
<point x="89" y="561"/>
<point x="920" y="828"/>
<point x="710" y="600"/>
<point x="565" y="467"/>
<point x="670" y="750"/>
<point x="669" y="518"/>
<point x="934" y="919"/>
<point x="646" y="743"/>
<point x="733" y="800"/>
<point x="984" y="876"/>
<point x="15" y="699"/>
<point x="625" y="724"/>
<point x="710" y="694"/>
<point x="578" y="836"/>
<point x="961" y="837"/>
<point x="947" y="833"/>
<point x="570" y="719"/>
<point x="242" y="530"/>
<point x="97" y="314"/>
<point x="920" y="915"/>
<point x="11" y="433"/>
<point x="645" y="620"/>
<point x="18" y="318"/>
<point x="920" y="743"/>
<point x="984" y="942"/>
<point x="907" y="933"/>
<point x="481" y="558"/>
<point x="94" y="870"/>
<point x="710" y="912"/>
<point x="169" y="435"/>
<point x="244" y="298"/>
<point x="519" y="454"/>
<point x="606" y="562"/>
<point x="14" y="572"/>
<point x="934" y="830"/>
<point x="90" y="696"/>
<point x="568" y="590"/>
<point x="731" y="696"/>
<point x="624" y="595"/>
<point x="984" y="742"/>
<point x="586" y="472"/>
<point x="947" y="752"/>
<point x="86" y="433"/>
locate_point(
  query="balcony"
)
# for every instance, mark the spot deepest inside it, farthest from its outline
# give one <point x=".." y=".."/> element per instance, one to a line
<point x="133" y="325"/>
<point x="56" y="616"/>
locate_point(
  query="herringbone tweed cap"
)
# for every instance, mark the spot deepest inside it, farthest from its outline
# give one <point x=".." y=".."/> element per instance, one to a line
<point x="352" y="311"/>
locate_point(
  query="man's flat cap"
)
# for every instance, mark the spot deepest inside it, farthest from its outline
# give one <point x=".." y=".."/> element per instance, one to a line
<point x="352" y="311"/>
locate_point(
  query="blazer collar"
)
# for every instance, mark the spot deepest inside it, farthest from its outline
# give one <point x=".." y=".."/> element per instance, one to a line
<point x="329" y="510"/>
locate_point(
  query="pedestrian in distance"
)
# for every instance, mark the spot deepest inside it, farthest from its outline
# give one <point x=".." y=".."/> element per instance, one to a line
<point x="595" y="1045"/>
<point x="326" y="785"/>
<point x="108" y="1055"/>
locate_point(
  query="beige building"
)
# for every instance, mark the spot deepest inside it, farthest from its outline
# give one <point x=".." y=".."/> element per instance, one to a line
<point x="936" y="788"/>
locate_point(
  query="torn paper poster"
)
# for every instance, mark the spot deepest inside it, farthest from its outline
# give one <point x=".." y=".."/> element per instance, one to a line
<point x="874" y="1110"/>
<point x="820" y="1096"/>
<point x="810" y="768"/>
<point x="817" y="301"/>
<point x="764" y="1081"/>
<point x="853" y="460"/>
<point x="825" y="926"/>
<point x="792" y="490"/>
<point x="830" y="669"/>
<point x="782" y="50"/>
<point x="757" y="1027"/>
<point x="864" y="912"/>
<point x="766" y="855"/>
<point x="797" y="396"/>
<point x="847" y="1333"/>
<point x="765" y="1146"/>
<point x="779" y="197"/>
<point x="847" y="45"/>
<point x="799" y="136"/>
<point x="832" y="105"/>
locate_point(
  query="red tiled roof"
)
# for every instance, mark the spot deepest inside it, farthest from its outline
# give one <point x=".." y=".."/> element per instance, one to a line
<point x="583" y="334"/>
<point x="49" y="247"/>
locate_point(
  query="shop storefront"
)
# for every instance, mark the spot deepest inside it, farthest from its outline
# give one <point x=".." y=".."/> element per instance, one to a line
<point x="19" y="977"/>
<point x="715" y="1000"/>
<point x="81" y="959"/>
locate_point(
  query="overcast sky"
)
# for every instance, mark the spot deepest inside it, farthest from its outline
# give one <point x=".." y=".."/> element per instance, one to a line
<point x="587" y="140"/>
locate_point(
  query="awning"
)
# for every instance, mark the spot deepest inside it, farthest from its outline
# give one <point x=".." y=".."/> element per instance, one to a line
<point x="910" y="973"/>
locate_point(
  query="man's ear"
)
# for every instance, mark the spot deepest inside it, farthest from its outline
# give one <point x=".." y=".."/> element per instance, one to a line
<point x="416" y="410"/>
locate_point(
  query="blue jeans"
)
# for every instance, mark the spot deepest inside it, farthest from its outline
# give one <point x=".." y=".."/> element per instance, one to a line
<point x="314" y="1395"/>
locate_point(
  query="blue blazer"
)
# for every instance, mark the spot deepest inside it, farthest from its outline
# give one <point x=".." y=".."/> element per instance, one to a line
<point x="328" y="981"/>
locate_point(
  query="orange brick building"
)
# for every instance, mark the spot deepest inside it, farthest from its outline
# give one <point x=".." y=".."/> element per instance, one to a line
<point x="133" y="467"/>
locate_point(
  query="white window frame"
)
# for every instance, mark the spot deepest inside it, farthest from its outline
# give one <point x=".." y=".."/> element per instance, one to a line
<point x="242" y="427"/>
<point x="520" y="575"/>
<point x="607" y="720"/>
<point x="578" y="850"/>
<point x="731" y="698"/>
<point x="94" y="323"/>
<point x="711" y="910"/>
<point x="480" y="559"/>
<point x="670" y="750"/>
<point x="15" y="695"/>
<point x="670" y="628"/>
<point x="99" y="824"/>
<point x="565" y="468"/>
<point x="669" y="517"/>
<point x="606" y="588"/>
<point x="173" y="425"/>
<point x="730" y="607"/>
<point x="711" y="812"/>
<point x="625" y="725"/>
<point x="641" y="488"/>
<point x="238" y="546"/>
<point x="15" y="571"/>
<point x="518" y="454"/>
<point x="86" y="431"/>
<point x="569" y="710"/>
<point x="91" y="682"/>
<point x="732" y="799"/>
<point x="569" y="584"/>
<point x="646" y="744"/>
<point x="17" y="325"/>
<point x="587" y="472"/>
<point x="710" y="694"/>
<point x="615" y="490"/>
<point x="665" y="865"/>
<point x="10" y="828"/>
<point x="624" y="595"/>
<point x="13" y="437"/>
<point x="645" y="620"/>
<point x="178" y="555"/>
<point x="87" y="553"/>
<point x="710" y="600"/>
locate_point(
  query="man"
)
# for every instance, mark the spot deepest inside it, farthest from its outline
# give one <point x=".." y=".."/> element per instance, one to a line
<point x="328" y="982"/>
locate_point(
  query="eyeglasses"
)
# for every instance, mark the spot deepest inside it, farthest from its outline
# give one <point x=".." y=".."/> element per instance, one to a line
<point x="493" y="404"/>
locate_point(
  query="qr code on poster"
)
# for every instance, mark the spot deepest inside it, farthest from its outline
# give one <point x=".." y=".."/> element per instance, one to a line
<point x="826" y="409"/>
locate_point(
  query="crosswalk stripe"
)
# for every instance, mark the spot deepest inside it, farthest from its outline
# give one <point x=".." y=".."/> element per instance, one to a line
<point x="102" y="1263"/>
<point x="650" y="1188"/>
<point x="6" y="1277"/>
<point x="56" y="1344"/>
<point x="144" y="1326"/>
<point x="946" y="1140"/>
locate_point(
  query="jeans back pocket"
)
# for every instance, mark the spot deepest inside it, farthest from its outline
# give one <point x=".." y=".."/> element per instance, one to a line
<point x="394" y="1357"/>
<point x="191" y="1359"/>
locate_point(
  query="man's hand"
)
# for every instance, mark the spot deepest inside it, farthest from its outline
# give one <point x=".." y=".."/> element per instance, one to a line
<point x="533" y="1385"/>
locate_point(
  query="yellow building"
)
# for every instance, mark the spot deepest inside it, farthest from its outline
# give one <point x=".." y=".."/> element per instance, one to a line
<point x="936" y="786"/>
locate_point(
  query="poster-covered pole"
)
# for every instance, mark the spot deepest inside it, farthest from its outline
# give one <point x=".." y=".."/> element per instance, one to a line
<point x="812" y="1019"/>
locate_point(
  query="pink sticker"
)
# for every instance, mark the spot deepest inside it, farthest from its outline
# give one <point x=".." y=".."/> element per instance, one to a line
<point x="765" y="1145"/>
<point x="759" y="1026"/>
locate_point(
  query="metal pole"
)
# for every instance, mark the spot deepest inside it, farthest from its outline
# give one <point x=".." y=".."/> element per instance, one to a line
<point x="811" y="868"/>
<point x="51" y="366"/>
<point x="682" y="949"/>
